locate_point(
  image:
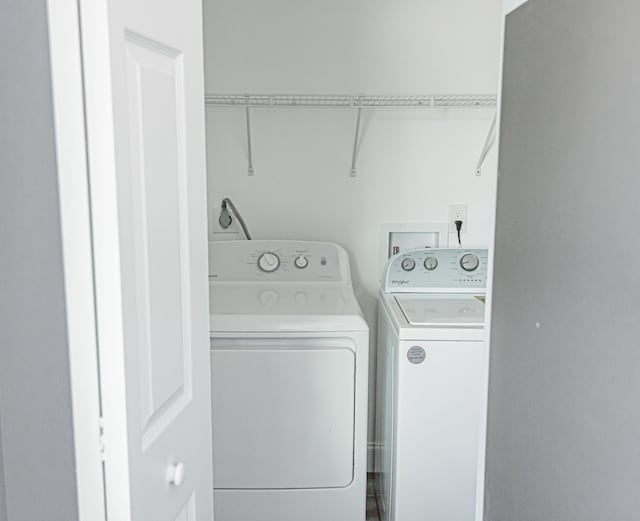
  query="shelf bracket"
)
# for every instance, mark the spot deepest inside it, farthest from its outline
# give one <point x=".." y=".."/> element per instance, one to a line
<point x="354" y="157"/>
<point x="488" y="144"/>
<point x="249" y="151"/>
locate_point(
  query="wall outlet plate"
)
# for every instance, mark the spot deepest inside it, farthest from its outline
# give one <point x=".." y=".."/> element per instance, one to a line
<point x="458" y="212"/>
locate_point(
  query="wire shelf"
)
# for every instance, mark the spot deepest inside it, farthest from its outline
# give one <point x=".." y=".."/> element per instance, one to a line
<point x="358" y="102"/>
<point x="345" y="101"/>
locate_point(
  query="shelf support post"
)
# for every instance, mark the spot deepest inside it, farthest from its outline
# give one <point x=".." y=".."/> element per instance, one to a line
<point x="249" y="151"/>
<point x="488" y="143"/>
<point x="354" y="157"/>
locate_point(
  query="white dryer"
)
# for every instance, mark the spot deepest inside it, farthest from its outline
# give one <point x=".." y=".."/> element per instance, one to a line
<point x="431" y="386"/>
<point x="289" y="364"/>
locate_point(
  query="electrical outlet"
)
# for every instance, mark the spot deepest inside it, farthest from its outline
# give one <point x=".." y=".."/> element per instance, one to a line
<point x="457" y="212"/>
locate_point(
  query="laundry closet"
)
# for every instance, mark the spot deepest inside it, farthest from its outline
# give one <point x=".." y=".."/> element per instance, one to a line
<point x="343" y="133"/>
<point x="157" y="366"/>
<point x="345" y="121"/>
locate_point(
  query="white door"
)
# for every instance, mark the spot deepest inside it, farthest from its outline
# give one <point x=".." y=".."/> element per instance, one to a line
<point x="143" y="79"/>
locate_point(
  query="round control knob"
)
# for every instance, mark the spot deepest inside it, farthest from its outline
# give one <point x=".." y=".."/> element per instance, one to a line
<point x="469" y="262"/>
<point x="175" y="474"/>
<point x="430" y="263"/>
<point x="408" y="264"/>
<point x="268" y="262"/>
<point x="301" y="262"/>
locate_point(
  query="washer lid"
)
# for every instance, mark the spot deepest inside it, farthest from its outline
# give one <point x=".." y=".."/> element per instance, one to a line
<point x="442" y="310"/>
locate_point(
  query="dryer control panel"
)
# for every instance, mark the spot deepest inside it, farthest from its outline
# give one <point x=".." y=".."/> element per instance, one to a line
<point x="438" y="270"/>
<point x="277" y="261"/>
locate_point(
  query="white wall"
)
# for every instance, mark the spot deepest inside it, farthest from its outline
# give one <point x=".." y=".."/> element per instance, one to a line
<point x="350" y="46"/>
<point x="412" y="163"/>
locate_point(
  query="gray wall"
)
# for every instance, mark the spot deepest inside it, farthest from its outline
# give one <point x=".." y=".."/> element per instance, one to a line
<point x="564" y="407"/>
<point x="3" y="501"/>
<point x="35" y="407"/>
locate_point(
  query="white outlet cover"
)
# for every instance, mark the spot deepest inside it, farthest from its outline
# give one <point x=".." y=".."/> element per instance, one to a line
<point x="458" y="212"/>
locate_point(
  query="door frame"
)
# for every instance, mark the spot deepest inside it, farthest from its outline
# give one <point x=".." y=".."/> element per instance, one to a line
<point x="511" y="5"/>
<point x="508" y="6"/>
<point x="75" y="222"/>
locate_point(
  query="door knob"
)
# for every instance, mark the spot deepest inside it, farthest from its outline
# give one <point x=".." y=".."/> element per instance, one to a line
<point x="175" y="474"/>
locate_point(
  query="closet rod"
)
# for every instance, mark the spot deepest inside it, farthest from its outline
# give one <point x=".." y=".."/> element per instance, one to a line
<point x="359" y="102"/>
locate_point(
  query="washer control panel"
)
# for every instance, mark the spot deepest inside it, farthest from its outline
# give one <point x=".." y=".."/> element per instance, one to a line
<point x="277" y="261"/>
<point x="438" y="270"/>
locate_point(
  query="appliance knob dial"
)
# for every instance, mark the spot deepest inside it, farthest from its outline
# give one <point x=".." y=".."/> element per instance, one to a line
<point x="430" y="263"/>
<point x="408" y="264"/>
<point x="301" y="262"/>
<point x="268" y="262"/>
<point x="469" y="262"/>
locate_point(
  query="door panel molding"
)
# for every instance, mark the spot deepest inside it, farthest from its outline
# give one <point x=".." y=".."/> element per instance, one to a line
<point x="75" y="221"/>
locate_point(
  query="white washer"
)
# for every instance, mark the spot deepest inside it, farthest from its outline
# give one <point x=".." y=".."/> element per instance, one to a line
<point x="431" y="386"/>
<point x="289" y="363"/>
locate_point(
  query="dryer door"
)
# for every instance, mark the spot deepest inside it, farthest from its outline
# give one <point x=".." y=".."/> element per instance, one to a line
<point x="283" y="413"/>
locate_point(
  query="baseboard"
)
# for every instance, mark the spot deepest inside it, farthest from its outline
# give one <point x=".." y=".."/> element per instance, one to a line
<point x="373" y="453"/>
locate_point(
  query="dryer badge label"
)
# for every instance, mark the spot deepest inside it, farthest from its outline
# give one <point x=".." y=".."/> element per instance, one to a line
<point x="416" y="355"/>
